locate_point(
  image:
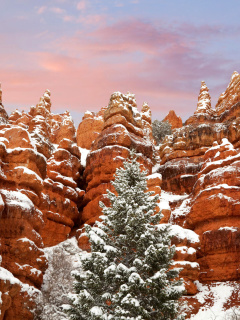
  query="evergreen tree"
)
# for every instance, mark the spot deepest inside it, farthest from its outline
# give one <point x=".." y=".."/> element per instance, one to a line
<point x="126" y="275"/>
<point x="160" y="130"/>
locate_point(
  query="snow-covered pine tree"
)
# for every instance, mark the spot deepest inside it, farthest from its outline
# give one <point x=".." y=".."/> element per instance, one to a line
<point x="126" y="275"/>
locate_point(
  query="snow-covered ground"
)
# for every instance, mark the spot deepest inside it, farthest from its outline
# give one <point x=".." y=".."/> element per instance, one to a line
<point x="181" y="210"/>
<point x="215" y="299"/>
<point x="58" y="281"/>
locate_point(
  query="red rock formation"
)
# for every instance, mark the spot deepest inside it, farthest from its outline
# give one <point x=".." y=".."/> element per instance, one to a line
<point x="90" y="128"/>
<point x="231" y="96"/>
<point x="214" y="213"/>
<point x="60" y="196"/>
<point x="54" y="136"/>
<point x="204" y="112"/>
<point x="3" y="113"/>
<point x="41" y="202"/>
<point x="39" y="194"/>
<point x="15" y="295"/>
<point x="122" y="130"/>
<point x="146" y="115"/>
<point x="187" y="243"/>
<point x="174" y="120"/>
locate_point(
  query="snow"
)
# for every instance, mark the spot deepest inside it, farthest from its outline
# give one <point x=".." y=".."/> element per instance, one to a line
<point x="156" y="167"/>
<point x="84" y="154"/>
<point x="31" y="243"/>
<point x="57" y="280"/>
<point x="31" y="173"/>
<point x="168" y="196"/>
<point x="96" y="311"/>
<point x="8" y="276"/>
<point x="18" y="149"/>
<point x="186" y="250"/>
<point x="28" y="268"/>
<point x="181" y="210"/>
<point x="193" y="265"/>
<point x="222" y="162"/>
<point x="218" y="187"/>
<point x="183" y="233"/>
<point x="233" y="229"/>
<point x="17" y="199"/>
<point x="88" y="113"/>
<point x="220" y="294"/>
<point x="154" y="176"/>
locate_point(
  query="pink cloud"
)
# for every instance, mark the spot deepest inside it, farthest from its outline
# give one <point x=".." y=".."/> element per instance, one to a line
<point x="81" y="5"/>
<point x="82" y="71"/>
<point x="41" y="9"/>
<point x="69" y="18"/>
<point x="57" y="10"/>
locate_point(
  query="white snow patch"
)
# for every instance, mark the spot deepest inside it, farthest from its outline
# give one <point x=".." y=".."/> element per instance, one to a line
<point x="84" y="154"/>
<point x="220" y="294"/>
<point x="57" y="280"/>
<point x="154" y="176"/>
<point x="233" y="229"/>
<point x="183" y="233"/>
<point x="17" y="199"/>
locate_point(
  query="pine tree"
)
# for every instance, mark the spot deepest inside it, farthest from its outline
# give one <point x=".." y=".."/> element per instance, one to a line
<point x="126" y="275"/>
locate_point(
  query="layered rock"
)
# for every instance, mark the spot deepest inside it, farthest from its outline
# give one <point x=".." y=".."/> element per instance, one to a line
<point x="3" y="113"/>
<point x="174" y="120"/>
<point x="122" y="131"/>
<point x="21" y="183"/>
<point x="231" y="96"/>
<point x="41" y="202"/>
<point x="90" y="128"/>
<point x="146" y="115"/>
<point x="204" y="112"/>
<point x="187" y="243"/>
<point x="54" y="136"/>
<point x="182" y="152"/>
<point x="60" y="196"/>
<point x="214" y="213"/>
<point x="17" y="299"/>
<point x="39" y="194"/>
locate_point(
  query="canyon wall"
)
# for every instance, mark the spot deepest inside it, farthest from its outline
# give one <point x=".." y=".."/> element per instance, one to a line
<point x="48" y="190"/>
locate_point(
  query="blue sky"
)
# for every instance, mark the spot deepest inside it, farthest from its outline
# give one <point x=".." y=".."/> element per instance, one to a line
<point x="85" y="50"/>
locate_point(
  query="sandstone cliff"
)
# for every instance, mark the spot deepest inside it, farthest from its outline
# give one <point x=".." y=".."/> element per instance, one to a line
<point x="48" y="190"/>
<point x="39" y="194"/>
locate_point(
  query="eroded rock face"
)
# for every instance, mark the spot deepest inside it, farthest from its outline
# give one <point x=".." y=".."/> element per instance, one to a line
<point x="41" y="182"/>
<point x="146" y="115"/>
<point x="231" y="96"/>
<point x="39" y="194"/>
<point x="187" y="243"/>
<point x="3" y="113"/>
<point x="90" y="128"/>
<point x="15" y="295"/>
<point x="122" y="130"/>
<point x="204" y="112"/>
<point x="174" y="120"/>
<point x="214" y="213"/>
<point x="182" y="152"/>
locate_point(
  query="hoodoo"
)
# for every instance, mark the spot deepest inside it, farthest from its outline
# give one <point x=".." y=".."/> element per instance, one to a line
<point x="53" y="176"/>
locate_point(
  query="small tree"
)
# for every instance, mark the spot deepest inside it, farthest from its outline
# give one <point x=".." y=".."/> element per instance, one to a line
<point x="160" y="130"/>
<point x="127" y="274"/>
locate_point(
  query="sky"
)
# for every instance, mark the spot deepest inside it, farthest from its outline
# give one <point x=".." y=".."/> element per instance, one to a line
<point x="84" y="50"/>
